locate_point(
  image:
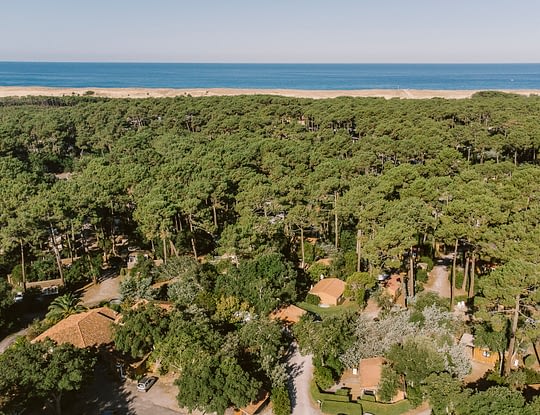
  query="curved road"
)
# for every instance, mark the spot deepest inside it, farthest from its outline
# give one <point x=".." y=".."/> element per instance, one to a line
<point x="9" y="340"/>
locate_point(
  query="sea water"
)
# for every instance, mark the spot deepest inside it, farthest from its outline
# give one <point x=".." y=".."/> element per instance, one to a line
<point x="271" y="76"/>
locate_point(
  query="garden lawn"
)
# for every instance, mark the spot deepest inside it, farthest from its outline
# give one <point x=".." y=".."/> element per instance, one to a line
<point x="353" y="408"/>
<point x="328" y="311"/>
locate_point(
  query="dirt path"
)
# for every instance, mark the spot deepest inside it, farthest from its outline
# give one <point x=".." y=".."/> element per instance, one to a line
<point x="301" y="371"/>
<point x="372" y="309"/>
<point x="106" y="290"/>
<point x="423" y="409"/>
<point x="438" y="279"/>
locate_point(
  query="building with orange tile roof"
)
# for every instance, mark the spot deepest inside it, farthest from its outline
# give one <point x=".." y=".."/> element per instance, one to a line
<point x="254" y="407"/>
<point x="86" y="329"/>
<point x="366" y="379"/>
<point x="329" y="290"/>
<point x="289" y="315"/>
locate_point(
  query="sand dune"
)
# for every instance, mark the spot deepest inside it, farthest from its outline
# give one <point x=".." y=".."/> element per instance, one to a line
<point x="199" y="92"/>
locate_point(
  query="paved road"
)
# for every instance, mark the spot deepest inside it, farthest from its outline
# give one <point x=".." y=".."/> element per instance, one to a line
<point x="105" y="290"/>
<point x="107" y="392"/>
<point x="9" y="340"/>
<point x="301" y="370"/>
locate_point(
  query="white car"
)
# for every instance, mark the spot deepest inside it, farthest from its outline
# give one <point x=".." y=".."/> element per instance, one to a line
<point x="146" y="383"/>
<point x="18" y="297"/>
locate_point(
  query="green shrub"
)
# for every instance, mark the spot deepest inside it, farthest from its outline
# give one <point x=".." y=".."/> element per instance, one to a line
<point x="323" y="377"/>
<point x="343" y="392"/>
<point x="350" y="258"/>
<point x="336" y="398"/>
<point x="368" y="398"/>
<point x="309" y="252"/>
<point x="16" y="274"/>
<point x="529" y="360"/>
<point x="281" y="401"/>
<point x="349" y="408"/>
<point x="428" y="261"/>
<point x="427" y="299"/>
<point x="316" y="270"/>
<point x="43" y="269"/>
<point x="459" y="277"/>
<point x="414" y="395"/>
<point x="389" y="384"/>
<point x="422" y="275"/>
<point x="312" y="299"/>
<point x="531" y="375"/>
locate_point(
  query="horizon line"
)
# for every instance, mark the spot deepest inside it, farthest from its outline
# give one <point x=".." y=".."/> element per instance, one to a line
<point x="266" y="63"/>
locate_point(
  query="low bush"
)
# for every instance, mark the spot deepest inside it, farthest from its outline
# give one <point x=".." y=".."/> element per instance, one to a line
<point x="459" y="277"/>
<point x="330" y="407"/>
<point x="422" y="275"/>
<point x="343" y="392"/>
<point x="427" y="260"/>
<point x="368" y="398"/>
<point x="312" y="299"/>
<point x="529" y="360"/>
<point x="336" y="398"/>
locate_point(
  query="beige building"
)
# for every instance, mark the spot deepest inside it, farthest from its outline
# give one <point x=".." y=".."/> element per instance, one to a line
<point x="329" y="290"/>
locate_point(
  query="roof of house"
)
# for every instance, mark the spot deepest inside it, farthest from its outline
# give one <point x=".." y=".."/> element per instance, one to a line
<point x="89" y="328"/>
<point x="333" y="287"/>
<point x="370" y="372"/>
<point x="253" y="407"/>
<point x="290" y="314"/>
<point x="164" y="305"/>
<point x="324" y="261"/>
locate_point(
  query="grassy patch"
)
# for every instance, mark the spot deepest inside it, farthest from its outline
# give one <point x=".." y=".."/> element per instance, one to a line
<point x="349" y="408"/>
<point x="353" y="408"/>
<point x="387" y="408"/>
<point x="328" y="311"/>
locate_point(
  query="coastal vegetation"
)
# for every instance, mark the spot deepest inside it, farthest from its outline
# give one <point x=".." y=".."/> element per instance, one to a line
<point x="236" y="198"/>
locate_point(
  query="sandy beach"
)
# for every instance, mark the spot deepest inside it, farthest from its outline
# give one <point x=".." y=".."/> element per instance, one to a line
<point x="200" y="92"/>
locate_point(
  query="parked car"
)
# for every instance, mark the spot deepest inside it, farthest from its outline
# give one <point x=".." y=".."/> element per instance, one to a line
<point x="146" y="383"/>
<point x="18" y="297"/>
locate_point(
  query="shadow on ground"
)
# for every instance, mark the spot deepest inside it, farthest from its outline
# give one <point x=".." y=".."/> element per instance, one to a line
<point x="105" y="392"/>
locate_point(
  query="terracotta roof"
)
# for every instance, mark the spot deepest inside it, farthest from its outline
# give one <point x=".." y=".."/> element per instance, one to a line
<point x="324" y="261"/>
<point x="370" y="372"/>
<point x="332" y="287"/>
<point x="253" y="407"/>
<point x="92" y="327"/>
<point x="290" y="314"/>
<point x="165" y="305"/>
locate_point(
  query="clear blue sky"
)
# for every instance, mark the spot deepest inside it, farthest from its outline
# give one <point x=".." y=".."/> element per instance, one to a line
<point x="359" y="31"/>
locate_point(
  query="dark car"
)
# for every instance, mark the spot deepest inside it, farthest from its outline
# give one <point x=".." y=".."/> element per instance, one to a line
<point x="146" y="383"/>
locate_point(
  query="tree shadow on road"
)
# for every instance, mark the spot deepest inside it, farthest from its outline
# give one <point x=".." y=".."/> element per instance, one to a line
<point x="294" y="370"/>
<point x="105" y="392"/>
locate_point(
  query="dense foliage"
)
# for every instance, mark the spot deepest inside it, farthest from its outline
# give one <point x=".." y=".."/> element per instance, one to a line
<point x="42" y="371"/>
<point x="242" y="183"/>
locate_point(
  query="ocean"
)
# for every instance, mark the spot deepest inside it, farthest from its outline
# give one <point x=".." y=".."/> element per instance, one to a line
<point x="271" y="76"/>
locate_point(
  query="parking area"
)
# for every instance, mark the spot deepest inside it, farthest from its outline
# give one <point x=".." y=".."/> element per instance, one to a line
<point x="107" y="392"/>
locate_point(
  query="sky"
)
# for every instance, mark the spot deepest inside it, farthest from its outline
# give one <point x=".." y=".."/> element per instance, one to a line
<point x="281" y="31"/>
